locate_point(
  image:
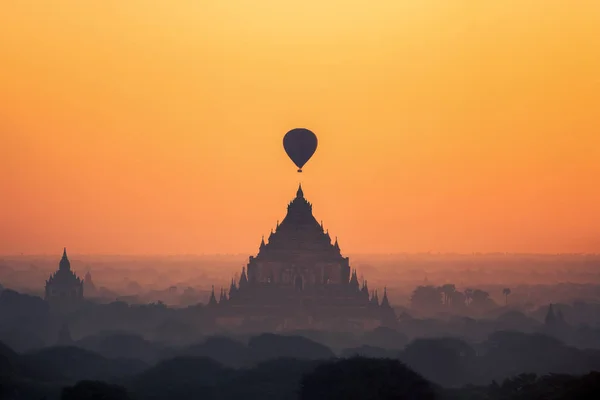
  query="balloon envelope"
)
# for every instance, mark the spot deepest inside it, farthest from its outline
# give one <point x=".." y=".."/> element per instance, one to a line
<point x="300" y="144"/>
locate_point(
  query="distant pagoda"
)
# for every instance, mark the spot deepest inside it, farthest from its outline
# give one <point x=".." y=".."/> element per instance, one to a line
<point x="88" y="285"/>
<point x="298" y="280"/>
<point x="63" y="286"/>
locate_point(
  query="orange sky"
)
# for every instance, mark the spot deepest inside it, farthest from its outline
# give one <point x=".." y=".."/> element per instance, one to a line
<point x="156" y="126"/>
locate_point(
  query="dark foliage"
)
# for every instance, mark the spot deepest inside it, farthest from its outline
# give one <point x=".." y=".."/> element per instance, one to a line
<point x="364" y="379"/>
<point x="72" y="364"/>
<point x="182" y="378"/>
<point x="123" y="345"/>
<point x="270" y="346"/>
<point x="533" y="387"/>
<point x="448" y="362"/>
<point x="274" y="380"/>
<point x="94" y="390"/>
<point x="226" y="351"/>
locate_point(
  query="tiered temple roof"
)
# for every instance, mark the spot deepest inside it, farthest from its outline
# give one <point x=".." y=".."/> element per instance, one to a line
<point x="299" y="271"/>
<point x="299" y="232"/>
<point x="64" y="277"/>
<point x="64" y="283"/>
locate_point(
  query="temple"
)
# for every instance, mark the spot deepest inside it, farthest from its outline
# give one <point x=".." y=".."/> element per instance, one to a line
<point x="300" y="280"/>
<point x="88" y="285"/>
<point x="64" y="287"/>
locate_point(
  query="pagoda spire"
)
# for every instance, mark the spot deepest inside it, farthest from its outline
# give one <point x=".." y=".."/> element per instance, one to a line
<point x="262" y="242"/>
<point x="243" y="278"/>
<point x="64" y="264"/>
<point x="354" y="281"/>
<point x="385" y="302"/>
<point x="374" y="299"/>
<point x="336" y="245"/>
<point x="212" y="301"/>
<point x="300" y="192"/>
<point x="223" y="296"/>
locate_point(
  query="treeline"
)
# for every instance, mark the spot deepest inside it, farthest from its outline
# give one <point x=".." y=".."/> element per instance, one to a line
<point x="430" y="298"/>
<point x="291" y="367"/>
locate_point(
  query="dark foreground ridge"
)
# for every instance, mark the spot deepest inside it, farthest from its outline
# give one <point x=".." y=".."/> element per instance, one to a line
<point x="275" y="367"/>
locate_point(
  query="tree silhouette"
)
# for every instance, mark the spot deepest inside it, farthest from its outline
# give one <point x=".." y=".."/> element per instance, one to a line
<point x="426" y="298"/>
<point x="469" y="295"/>
<point x="506" y="292"/>
<point x="445" y="361"/>
<point x="481" y="300"/>
<point x="448" y="289"/>
<point x="458" y="300"/>
<point x="362" y="378"/>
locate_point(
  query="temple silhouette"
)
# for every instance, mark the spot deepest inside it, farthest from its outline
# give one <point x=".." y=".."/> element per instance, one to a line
<point x="300" y="280"/>
<point x="63" y="287"/>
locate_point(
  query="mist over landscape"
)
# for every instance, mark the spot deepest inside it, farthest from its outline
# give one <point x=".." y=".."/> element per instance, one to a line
<point x="534" y="279"/>
<point x="462" y="320"/>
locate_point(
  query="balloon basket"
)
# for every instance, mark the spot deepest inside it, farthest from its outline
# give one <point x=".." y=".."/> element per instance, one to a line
<point x="299" y="170"/>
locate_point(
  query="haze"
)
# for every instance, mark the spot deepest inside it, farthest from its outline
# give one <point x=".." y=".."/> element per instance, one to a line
<point x="155" y="127"/>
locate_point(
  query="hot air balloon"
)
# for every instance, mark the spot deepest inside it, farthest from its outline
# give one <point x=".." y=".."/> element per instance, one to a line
<point x="300" y="144"/>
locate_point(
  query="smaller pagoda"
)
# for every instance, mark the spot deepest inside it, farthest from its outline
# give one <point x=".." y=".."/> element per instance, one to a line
<point x="64" y="286"/>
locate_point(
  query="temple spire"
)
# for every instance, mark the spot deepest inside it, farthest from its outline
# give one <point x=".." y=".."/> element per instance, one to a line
<point x="64" y="264"/>
<point x="374" y="298"/>
<point x="384" y="302"/>
<point x="243" y="278"/>
<point x="212" y="301"/>
<point x="365" y="289"/>
<point x="223" y="296"/>
<point x="232" y="288"/>
<point x="299" y="193"/>
<point x="354" y="281"/>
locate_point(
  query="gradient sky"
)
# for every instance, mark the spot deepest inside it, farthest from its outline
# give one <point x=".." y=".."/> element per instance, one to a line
<point x="145" y="127"/>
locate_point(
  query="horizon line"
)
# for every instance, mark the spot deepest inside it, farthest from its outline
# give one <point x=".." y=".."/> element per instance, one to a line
<point x="400" y="253"/>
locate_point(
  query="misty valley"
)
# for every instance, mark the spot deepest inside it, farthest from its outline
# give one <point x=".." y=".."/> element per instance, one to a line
<point x="480" y="326"/>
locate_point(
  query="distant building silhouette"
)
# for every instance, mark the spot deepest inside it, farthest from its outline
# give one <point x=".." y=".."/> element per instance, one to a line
<point x="64" y="287"/>
<point x="212" y="301"/>
<point x="300" y="278"/>
<point x="555" y="321"/>
<point x="88" y="285"/>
